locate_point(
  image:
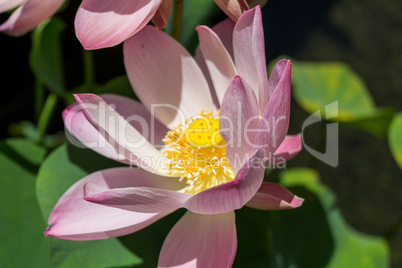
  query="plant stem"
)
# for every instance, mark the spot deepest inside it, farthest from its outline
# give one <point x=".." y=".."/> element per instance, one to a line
<point x="46" y="115"/>
<point x="177" y="19"/>
<point x="39" y="97"/>
<point x="89" y="71"/>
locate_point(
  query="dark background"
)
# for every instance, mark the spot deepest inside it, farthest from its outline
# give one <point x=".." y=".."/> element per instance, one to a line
<point x="367" y="35"/>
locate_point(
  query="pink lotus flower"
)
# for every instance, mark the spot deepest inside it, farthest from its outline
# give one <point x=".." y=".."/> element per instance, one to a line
<point x="123" y="200"/>
<point x="107" y="23"/>
<point x="28" y="15"/>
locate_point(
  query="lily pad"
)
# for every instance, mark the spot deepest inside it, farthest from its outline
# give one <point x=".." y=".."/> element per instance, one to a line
<point x="319" y="84"/>
<point x="22" y="225"/>
<point x="46" y="54"/>
<point x="347" y="247"/>
<point x="376" y="123"/>
<point x="335" y="88"/>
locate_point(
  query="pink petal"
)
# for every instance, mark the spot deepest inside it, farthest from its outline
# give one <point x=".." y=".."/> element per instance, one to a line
<point x="139" y="117"/>
<point x="224" y="30"/>
<point x="137" y="199"/>
<point x="249" y="53"/>
<point x="163" y="73"/>
<point x="275" y="117"/>
<point x="29" y="15"/>
<point x="239" y="114"/>
<point x="272" y="196"/>
<point x="276" y="75"/>
<point x="76" y="219"/>
<point x="290" y="146"/>
<point x="234" y="194"/>
<point x="128" y="140"/>
<point x="78" y="125"/>
<point x="107" y="23"/>
<point x="206" y="241"/>
<point x="199" y="58"/>
<point x="232" y="8"/>
<point x="218" y="60"/>
<point x="161" y="16"/>
<point x="6" y="5"/>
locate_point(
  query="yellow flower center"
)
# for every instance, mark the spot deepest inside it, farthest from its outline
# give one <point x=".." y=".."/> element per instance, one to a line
<point x="197" y="153"/>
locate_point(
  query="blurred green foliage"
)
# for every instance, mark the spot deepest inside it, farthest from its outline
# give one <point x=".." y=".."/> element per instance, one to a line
<point x="315" y="235"/>
<point x="395" y="138"/>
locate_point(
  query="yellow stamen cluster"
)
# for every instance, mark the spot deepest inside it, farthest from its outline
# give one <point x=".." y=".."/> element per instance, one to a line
<point x="197" y="153"/>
